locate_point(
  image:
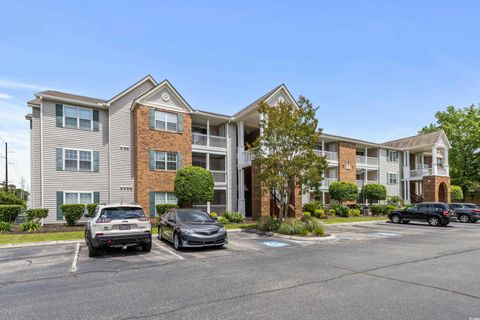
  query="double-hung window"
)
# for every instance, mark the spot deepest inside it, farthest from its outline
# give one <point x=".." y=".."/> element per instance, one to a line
<point x="78" y="197"/>
<point x="392" y="156"/>
<point x="165" y="198"/>
<point x="78" y="118"/>
<point x="392" y="178"/>
<point x="165" y="121"/>
<point x="77" y="160"/>
<point x="165" y="160"/>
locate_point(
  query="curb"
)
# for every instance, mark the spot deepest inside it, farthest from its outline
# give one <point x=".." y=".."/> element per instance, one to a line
<point x="36" y="244"/>
<point x="353" y="223"/>
<point x="299" y="238"/>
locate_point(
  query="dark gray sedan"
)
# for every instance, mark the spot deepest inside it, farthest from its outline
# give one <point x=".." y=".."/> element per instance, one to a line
<point x="188" y="228"/>
<point x="466" y="212"/>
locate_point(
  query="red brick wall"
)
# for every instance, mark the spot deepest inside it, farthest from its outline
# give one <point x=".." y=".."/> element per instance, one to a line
<point x="347" y="161"/>
<point x="260" y="196"/>
<point x="431" y="186"/>
<point x="146" y="139"/>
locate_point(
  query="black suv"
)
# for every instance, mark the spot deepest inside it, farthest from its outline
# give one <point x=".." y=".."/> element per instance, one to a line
<point x="435" y="213"/>
<point x="466" y="212"/>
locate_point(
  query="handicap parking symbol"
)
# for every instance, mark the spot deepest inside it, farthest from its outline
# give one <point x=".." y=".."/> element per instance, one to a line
<point x="275" y="244"/>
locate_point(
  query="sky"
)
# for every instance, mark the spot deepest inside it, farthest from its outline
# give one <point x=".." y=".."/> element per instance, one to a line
<point x="378" y="70"/>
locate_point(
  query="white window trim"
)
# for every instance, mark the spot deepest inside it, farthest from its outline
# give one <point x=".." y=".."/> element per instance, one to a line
<point x="78" y="118"/>
<point x="389" y="152"/>
<point x="78" y="159"/>
<point x="78" y="194"/>
<point x="388" y="178"/>
<point x="157" y="112"/>
<point x="165" y="196"/>
<point x="166" y="161"/>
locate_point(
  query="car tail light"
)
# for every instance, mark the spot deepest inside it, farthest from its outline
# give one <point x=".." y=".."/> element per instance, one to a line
<point x="103" y="220"/>
<point x="476" y="210"/>
<point x="445" y="213"/>
<point x="99" y="234"/>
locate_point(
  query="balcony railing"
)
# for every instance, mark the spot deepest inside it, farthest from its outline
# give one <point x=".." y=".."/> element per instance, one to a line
<point x="370" y="161"/>
<point x="327" y="181"/>
<point x="219" y="176"/>
<point x="244" y="157"/>
<point x="218" y="208"/>
<point x="329" y="155"/>
<point x="360" y="182"/>
<point x="418" y="173"/>
<point x="201" y="139"/>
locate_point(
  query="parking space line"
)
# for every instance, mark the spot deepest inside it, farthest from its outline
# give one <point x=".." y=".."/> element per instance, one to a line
<point x="168" y="250"/>
<point x="236" y="244"/>
<point x="73" y="268"/>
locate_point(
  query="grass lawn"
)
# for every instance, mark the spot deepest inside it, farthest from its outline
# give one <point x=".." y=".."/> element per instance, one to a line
<point x="8" y="238"/>
<point x="334" y="220"/>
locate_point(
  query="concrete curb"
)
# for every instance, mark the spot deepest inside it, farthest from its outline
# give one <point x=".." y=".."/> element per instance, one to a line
<point x="307" y="238"/>
<point x="36" y="244"/>
<point x="353" y="223"/>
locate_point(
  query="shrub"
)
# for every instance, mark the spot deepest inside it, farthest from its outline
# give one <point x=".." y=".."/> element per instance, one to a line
<point x="319" y="230"/>
<point x="213" y="215"/>
<point x="72" y="212"/>
<point x="395" y="200"/>
<point x="311" y="223"/>
<point x="268" y="223"/>
<point x="10" y="198"/>
<point x="307" y="214"/>
<point x="377" y="209"/>
<point x="340" y="210"/>
<point x="312" y="206"/>
<point x="194" y="184"/>
<point x="389" y="209"/>
<point x="292" y="226"/>
<point x="36" y="214"/>
<point x="356" y="212"/>
<point x="375" y="192"/>
<point x="223" y="220"/>
<point x="332" y="212"/>
<point x="29" y="226"/>
<point x="9" y="213"/>
<point x="164" y="208"/>
<point x="343" y="191"/>
<point x="5" y="226"/>
<point x="320" y="214"/>
<point x="233" y="217"/>
<point x="91" y="207"/>
<point x="457" y="193"/>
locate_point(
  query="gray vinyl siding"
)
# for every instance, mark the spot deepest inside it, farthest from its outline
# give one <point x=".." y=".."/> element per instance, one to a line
<point x="35" y="160"/>
<point x="232" y="169"/>
<point x="390" y="167"/>
<point x="55" y="137"/>
<point x="122" y="161"/>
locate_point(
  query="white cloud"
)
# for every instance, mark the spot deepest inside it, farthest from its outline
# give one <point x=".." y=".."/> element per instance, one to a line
<point x="5" y="96"/>
<point x="8" y="84"/>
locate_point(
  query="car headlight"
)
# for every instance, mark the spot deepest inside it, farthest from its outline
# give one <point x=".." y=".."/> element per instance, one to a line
<point x="187" y="231"/>
<point x="222" y="230"/>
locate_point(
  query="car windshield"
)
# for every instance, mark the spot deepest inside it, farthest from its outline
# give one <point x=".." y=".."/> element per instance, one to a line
<point x="193" y="216"/>
<point x="119" y="213"/>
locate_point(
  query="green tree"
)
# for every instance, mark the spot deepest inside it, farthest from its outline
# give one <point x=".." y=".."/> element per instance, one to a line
<point x="284" y="152"/>
<point x="193" y="185"/>
<point x="375" y="192"/>
<point x="457" y="193"/>
<point x="343" y="191"/>
<point x="462" y="127"/>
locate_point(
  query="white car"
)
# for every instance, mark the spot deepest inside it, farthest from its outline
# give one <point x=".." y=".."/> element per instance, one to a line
<point x="121" y="225"/>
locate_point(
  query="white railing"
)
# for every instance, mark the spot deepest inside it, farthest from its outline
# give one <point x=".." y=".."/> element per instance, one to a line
<point x="219" y="176"/>
<point x="327" y="181"/>
<point x="360" y="182"/>
<point x="244" y="157"/>
<point x="201" y="139"/>
<point x="418" y="173"/>
<point x="371" y="161"/>
<point x="441" y="171"/>
<point x="218" y="208"/>
<point x="329" y="155"/>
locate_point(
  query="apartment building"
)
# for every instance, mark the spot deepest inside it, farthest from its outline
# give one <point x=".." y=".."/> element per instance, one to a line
<point x="128" y="149"/>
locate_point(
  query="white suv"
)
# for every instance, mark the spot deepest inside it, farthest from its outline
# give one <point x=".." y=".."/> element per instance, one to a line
<point x="118" y="226"/>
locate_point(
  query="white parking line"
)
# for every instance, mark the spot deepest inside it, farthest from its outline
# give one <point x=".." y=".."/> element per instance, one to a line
<point x="73" y="268"/>
<point x="168" y="250"/>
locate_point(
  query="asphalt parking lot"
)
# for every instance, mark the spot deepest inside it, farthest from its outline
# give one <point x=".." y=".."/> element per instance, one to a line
<point x="375" y="271"/>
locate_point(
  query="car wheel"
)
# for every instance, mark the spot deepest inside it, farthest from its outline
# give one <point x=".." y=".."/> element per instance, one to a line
<point x="434" y="221"/>
<point x="177" y="242"/>
<point x="396" y="218"/>
<point x="147" y="247"/>
<point x="406" y="221"/>
<point x="92" y="251"/>
<point x="464" y="218"/>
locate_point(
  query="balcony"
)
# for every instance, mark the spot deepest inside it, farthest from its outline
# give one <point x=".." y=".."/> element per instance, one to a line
<point x="200" y="139"/>
<point x="367" y="161"/>
<point x="360" y="183"/>
<point x="419" y="173"/>
<point x="326" y="183"/>
<point x="329" y="155"/>
<point x="244" y="157"/>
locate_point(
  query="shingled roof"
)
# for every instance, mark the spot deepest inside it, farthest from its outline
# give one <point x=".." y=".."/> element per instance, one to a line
<point x="70" y="96"/>
<point x="415" y="141"/>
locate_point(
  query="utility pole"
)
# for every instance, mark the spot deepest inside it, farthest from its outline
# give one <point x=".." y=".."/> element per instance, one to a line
<point x="6" y="167"/>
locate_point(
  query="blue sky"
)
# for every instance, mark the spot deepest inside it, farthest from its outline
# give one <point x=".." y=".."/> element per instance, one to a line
<point x="378" y="70"/>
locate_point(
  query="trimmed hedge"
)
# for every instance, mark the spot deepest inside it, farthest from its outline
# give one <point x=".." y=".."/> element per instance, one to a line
<point x="381" y="209"/>
<point x="233" y="217"/>
<point x="72" y="212"/>
<point x="10" y="198"/>
<point x="91" y="207"/>
<point x="9" y="213"/>
<point x="36" y="214"/>
<point x="340" y="210"/>
<point x="163" y="208"/>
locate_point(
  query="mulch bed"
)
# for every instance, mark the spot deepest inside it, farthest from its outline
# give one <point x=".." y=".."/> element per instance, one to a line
<point x="53" y="228"/>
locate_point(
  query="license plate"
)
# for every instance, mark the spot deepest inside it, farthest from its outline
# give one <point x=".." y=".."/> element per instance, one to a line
<point x="124" y="227"/>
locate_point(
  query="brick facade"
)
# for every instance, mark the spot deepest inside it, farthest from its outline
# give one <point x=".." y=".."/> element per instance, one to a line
<point x="146" y="139"/>
<point x="347" y="162"/>
<point x="260" y="196"/>
<point x="432" y="191"/>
